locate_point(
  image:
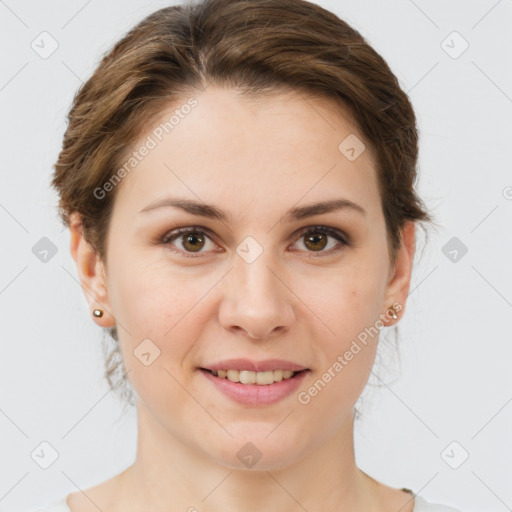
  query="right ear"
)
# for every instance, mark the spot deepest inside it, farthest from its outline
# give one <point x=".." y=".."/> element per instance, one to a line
<point x="91" y="272"/>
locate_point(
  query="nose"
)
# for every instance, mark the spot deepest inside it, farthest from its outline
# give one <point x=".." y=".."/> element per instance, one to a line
<point x="256" y="299"/>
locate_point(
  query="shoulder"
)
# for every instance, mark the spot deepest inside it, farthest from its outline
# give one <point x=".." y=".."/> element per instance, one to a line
<point x="55" y="506"/>
<point x="422" y="505"/>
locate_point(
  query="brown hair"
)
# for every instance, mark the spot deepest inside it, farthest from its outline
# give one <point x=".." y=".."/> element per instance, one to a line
<point x="256" y="47"/>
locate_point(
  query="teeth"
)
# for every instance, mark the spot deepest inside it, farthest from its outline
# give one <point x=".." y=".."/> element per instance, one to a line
<point x="248" y="377"/>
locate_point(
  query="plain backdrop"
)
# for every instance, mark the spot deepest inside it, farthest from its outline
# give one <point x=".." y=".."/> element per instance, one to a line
<point x="441" y="421"/>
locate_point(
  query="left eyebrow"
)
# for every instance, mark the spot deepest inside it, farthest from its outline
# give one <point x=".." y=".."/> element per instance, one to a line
<point x="296" y="213"/>
<point x="301" y="212"/>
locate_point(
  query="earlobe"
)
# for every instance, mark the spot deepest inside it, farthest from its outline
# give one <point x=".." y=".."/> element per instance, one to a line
<point x="91" y="273"/>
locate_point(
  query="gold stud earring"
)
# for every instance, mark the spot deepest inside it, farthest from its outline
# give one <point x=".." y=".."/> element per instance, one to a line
<point x="98" y="313"/>
<point x="393" y="313"/>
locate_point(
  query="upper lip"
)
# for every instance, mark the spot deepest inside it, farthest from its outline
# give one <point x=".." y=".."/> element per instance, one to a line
<point x="255" y="366"/>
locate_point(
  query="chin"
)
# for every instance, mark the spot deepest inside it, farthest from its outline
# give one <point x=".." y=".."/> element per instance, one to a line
<point x="258" y="452"/>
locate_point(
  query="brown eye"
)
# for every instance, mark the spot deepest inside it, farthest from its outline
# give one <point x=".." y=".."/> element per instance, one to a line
<point x="316" y="239"/>
<point x="193" y="241"/>
<point x="188" y="242"/>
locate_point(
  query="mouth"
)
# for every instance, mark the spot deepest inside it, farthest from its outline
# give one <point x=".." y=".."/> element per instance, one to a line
<point x="255" y="389"/>
<point x="247" y="377"/>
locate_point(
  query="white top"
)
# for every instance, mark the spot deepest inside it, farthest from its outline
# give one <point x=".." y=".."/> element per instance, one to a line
<point x="420" y="505"/>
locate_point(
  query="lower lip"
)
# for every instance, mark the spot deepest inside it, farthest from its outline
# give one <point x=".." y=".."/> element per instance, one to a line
<point x="256" y="394"/>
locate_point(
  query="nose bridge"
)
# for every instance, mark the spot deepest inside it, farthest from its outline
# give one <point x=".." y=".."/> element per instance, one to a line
<point x="256" y="282"/>
<point x="256" y="299"/>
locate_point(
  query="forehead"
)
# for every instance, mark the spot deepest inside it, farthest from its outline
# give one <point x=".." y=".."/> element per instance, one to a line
<point x="231" y="148"/>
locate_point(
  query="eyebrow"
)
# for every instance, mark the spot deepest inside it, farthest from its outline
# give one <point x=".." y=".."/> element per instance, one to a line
<point x="296" y="213"/>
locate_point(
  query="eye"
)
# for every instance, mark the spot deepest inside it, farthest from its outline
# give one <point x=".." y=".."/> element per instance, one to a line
<point x="315" y="239"/>
<point x="193" y="239"/>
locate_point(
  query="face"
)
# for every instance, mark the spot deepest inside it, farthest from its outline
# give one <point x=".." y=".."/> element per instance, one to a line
<point x="258" y="283"/>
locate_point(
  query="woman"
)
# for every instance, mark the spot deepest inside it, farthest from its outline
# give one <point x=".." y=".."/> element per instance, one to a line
<point x="238" y="180"/>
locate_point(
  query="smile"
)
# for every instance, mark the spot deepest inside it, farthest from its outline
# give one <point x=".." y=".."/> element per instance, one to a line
<point x="249" y="377"/>
<point x="255" y="388"/>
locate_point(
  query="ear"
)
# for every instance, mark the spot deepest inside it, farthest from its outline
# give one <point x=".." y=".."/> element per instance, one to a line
<point x="91" y="272"/>
<point x="399" y="281"/>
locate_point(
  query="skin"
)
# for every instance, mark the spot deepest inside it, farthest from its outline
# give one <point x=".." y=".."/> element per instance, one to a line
<point x="254" y="159"/>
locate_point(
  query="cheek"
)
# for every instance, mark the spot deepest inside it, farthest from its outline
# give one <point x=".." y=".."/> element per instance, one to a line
<point x="346" y="334"/>
<point x="159" y="310"/>
<point x="345" y="302"/>
<point x="152" y="298"/>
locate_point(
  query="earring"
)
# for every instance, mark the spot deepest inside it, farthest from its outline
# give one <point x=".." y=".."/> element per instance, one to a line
<point x="393" y="313"/>
<point x="98" y="313"/>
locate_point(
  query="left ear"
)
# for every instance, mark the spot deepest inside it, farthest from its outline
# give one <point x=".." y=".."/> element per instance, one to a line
<point x="399" y="281"/>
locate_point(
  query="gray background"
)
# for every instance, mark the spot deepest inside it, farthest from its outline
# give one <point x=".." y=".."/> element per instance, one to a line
<point x="452" y="383"/>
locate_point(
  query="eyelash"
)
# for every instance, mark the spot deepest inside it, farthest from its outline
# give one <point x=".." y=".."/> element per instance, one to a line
<point x="334" y="233"/>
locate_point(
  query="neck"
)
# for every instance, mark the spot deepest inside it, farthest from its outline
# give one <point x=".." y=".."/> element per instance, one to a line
<point x="170" y="475"/>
